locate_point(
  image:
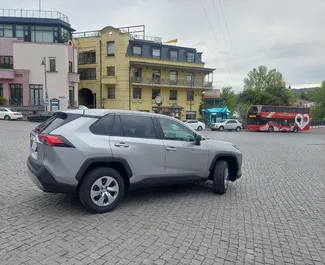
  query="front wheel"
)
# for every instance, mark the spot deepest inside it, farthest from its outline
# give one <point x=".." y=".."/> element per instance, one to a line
<point x="295" y="129"/>
<point x="101" y="190"/>
<point x="221" y="128"/>
<point x="271" y="129"/>
<point x="221" y="177"/>
<point x="7" y="118"/>
<point x="199" y="128"/>
<point x="238" y="129"/>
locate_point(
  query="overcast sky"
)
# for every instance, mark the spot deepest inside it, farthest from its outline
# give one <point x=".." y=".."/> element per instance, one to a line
<point x="284" y="34"/>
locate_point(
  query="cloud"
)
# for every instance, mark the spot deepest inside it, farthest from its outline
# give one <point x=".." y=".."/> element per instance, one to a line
<point x="286" y="35"/>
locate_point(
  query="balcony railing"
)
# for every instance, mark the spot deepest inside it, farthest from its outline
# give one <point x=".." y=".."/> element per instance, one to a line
<point x="36" y="102"/>
<point x="33" y="14"/>
<point x="170" y="82"/>
<point x="16" y="101"/>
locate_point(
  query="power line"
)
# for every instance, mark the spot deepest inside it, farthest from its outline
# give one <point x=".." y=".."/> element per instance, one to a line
<point x="215" y="37"/>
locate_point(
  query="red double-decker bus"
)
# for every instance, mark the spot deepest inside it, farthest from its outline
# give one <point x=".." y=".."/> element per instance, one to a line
<point x="278" y="118"/>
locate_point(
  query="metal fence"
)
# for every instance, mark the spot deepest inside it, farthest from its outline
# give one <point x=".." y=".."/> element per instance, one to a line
<point x="163" y="81"/>
<point x="33" y="14"/>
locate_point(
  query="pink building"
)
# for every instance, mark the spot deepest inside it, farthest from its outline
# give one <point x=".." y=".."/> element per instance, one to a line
<point x="38" y="63"/>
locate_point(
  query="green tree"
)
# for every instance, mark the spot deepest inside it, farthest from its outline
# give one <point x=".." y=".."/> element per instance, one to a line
<point x="318" y="112"/>
<point x="266" y="88"/>
<point x="230" y="99"/>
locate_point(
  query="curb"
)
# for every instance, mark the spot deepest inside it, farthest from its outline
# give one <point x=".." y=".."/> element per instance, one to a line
<point x="316" y="127"/>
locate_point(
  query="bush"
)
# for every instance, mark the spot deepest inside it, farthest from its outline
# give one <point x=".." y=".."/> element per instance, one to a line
<point x="3" y="101"/>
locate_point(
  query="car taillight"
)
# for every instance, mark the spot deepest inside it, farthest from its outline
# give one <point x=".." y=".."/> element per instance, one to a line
<point x="54" y="140"/>
<point x="16" y="113"/>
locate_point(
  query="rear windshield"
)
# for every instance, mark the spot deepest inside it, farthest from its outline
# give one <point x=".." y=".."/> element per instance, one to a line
<point x="56" y="121"/>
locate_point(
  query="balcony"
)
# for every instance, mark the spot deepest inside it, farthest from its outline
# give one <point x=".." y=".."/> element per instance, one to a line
<point x="161" y="82"/>
<point x="109" y="80"/>
<point x="74" y="78"/>
<point x="7" y="74"/>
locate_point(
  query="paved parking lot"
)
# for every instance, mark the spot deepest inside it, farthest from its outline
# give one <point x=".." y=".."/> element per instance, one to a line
<point x="275" y="214"/>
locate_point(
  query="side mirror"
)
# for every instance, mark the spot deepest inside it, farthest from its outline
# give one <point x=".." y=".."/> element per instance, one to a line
<point x="198" y="139"/>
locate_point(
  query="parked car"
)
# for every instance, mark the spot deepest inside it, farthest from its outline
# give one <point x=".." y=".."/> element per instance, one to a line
<point x="82" y="107"/>
<point x="229" y="124"/>
<point x="10" y="114"/>
<point x="195" y="124"/>
<point x="40" y="117"/>
<point x="99" y="154"/>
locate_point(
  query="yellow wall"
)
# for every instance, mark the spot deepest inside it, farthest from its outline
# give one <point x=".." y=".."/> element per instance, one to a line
<point x="121" y="63"/>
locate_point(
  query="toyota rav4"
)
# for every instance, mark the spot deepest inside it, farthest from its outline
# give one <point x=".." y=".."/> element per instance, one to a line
<point x="99" y="154"/>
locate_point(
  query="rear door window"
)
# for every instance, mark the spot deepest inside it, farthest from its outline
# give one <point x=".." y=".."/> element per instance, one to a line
<point x="103" y="126"/>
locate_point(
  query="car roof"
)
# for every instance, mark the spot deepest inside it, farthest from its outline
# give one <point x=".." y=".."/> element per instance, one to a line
<point x="103" y="112"/>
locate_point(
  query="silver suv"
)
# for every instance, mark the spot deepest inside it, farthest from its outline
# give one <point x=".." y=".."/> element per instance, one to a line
<point x="99" y="154"/>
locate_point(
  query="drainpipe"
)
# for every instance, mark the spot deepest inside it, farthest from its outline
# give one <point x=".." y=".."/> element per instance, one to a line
<point x="100" y="75"/>
<point x="130" y="86"/>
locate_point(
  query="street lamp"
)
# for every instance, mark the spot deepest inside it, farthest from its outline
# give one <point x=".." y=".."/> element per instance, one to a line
<point x="45" y="83"/>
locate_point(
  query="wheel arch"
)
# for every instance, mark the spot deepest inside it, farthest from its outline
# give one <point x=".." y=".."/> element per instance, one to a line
<point x="232" y="162"/>
<point x="119" y="164"/>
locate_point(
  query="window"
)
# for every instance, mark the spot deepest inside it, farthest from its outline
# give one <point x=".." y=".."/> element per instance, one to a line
<point x="191" y="57"/>
<point x="16" y="94"/>
<point x="20" y="31"/>
<point x="36" y="95"/>
<point x="111" y="93"/>
<point x="6" y="31"/>
<point x="42" y="34"/>
<point x="103" y="126"/>
<point x="173" y="77"/>
<point x="190" y="96"/>
<point x="70" y="67"/>
<point x="137" y="126"/>
<point x="52" y="65"/>
<point x="138" y="75"/>
<point x="156" y="76"/>
<point x="110" y="48"/>
<point x="173" y="55"/>
<point x="87" y="58"/>
<point x="176" y="131"/>
<point x="172" y="94"/>
<point x="137" y="93"/>
<point x="6" y="62"/>
<point x="137" y="50"/>
<point x="155" y="93"/>
<point x="1" y="90"/>
<point x="156" y="53"/>
<point x="71" y="96"/>
<point x="191" y="115"/>
<point x="111" y="71"/>
<point x="87" y="73"/>
<point x="190" y="78"/>
<point x="65" y="35"/>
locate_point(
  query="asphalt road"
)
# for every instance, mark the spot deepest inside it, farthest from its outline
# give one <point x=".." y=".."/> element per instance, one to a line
<point x="275" y="214"/>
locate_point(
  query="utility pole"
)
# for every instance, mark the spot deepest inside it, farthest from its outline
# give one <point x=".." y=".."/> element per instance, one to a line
<point x="45" y="83"/>
<point x="39" y="5"/>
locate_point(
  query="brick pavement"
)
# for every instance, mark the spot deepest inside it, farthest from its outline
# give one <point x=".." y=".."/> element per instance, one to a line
<point x="275" y="214"/>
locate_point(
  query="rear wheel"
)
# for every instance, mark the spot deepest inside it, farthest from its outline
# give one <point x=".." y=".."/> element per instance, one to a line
<point x="221" y="128"/>
<point x="238" y="129"/>
<point x="221" y="177"/>
<point x="213" y="129"/>
<point x="199" y="128"/>
<point x="295" y="129"/>
<point x="7" y="117"/>
<point x="271" y="129"/>
<point x="101" y="190"/>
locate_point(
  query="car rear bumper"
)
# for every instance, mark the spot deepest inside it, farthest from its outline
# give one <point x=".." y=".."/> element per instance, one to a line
<point x="44" y="180"/>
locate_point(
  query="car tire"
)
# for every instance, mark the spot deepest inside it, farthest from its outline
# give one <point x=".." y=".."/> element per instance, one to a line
<point x="7" y="118"/>
<point x="295" y="129"/>
<point x="221" y="177"/>
<point x="213" y="130"/>
<point x="199" y="128"/>
<point x="238" y="129"/>
<point x="271" y="129"/>
<point x="95" y="181"/>
<point x="221" y="128"/>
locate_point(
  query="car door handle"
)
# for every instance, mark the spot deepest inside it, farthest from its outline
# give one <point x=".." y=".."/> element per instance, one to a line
<point x="171" y="149"/>
<point x="122" y="145"/>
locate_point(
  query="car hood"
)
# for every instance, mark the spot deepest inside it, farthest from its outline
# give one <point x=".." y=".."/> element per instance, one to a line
<point x="220" y="145"/>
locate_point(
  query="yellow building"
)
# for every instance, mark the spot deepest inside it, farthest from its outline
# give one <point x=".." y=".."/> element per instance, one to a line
<point x="121" y="70"/>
